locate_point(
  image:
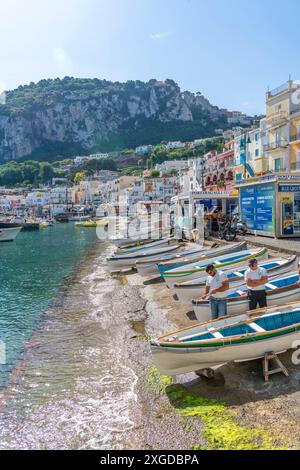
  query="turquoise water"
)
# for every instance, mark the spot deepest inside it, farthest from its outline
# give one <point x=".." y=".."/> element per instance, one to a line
<point x="32" y="271"/>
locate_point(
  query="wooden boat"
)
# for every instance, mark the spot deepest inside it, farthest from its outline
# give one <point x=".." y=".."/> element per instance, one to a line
<point x="119" y="262"/>
<point x="197" y="270"/>
<point x="150" y="268"/>
<point x="189" y="290"/>
<point x="222" y="250"/>
<point x="279" y="290"/>
<point x="239" y="338"/>
<point x="145" y="246"/>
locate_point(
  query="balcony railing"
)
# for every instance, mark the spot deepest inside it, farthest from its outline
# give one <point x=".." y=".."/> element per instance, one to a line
<point x="295" y="137"/>
<point x="276" y="145"/>
<point x="295" y="166"/>
<point x="277" y="118"/>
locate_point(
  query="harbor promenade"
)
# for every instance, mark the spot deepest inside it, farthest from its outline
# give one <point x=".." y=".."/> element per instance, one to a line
<point x="284" y="245"/>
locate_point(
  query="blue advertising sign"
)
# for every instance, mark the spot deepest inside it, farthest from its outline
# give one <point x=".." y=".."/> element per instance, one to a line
<point x="289" y="188"/>
<point x="257" y="206"/>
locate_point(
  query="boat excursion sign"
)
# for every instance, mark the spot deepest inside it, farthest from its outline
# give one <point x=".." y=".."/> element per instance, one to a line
<point x="257" y="203"/>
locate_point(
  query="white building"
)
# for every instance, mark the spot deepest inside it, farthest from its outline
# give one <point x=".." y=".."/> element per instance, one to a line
<point x="151" y="189"/>
<point x="169" y="165"/>
<point x="175" y="145"/>
<point x="80" y="160"/>
<point x="98" y="156"/>
<point x="4" y="204"/>
<point x="190" y="178"/>
<point x="37" y="199"/>
<point x="60" y="199"/>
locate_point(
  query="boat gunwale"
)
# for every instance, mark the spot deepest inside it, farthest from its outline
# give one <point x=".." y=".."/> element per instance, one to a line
<point x="238" y="339"/>
<point x="135" y="255"/>
<point x="256" y="254"/>
<point x="201" y="258"/>
<point x="257" y="313"/>
<point x="185" y="285"/>
<point x="269" y="293"/>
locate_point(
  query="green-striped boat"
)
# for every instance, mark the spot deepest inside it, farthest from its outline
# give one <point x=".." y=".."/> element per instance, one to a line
<point x="241" y="337"/>
<point x="196" y="270"/>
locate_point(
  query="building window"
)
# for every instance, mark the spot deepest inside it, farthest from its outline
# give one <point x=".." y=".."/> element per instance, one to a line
<point x="256" y="137"/>
<point x="257" y="152"/>
<point x="277" y="164"/>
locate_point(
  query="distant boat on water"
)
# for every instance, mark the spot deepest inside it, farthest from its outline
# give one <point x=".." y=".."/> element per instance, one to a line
<point x="9" y="231"/>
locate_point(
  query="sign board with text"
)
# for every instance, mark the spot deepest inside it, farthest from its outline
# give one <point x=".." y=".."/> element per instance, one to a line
<point x="257" y="203"/>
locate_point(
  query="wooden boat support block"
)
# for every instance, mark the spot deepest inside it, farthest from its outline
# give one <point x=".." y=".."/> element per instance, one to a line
<point x="266" y="370"/>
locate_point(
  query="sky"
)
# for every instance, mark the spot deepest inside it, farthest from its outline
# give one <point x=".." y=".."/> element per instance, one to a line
<point x="232" y="51"/>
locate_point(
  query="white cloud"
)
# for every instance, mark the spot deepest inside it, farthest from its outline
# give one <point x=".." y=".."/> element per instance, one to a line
<point x="159" y="36"/>
<point x="62" y="58"/>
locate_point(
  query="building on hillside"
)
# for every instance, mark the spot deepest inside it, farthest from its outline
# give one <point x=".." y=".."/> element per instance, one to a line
<point x="219" y="169"/>
<point x="191" y="178"/>
<point x="236" y="117"/>
<point x="170" y="165"/>
<point x="175" y="145"/>
<point x="80" y="159"/>
<point x="144" y="149"/>
<point x="151" y="189"/>
<point x="98" y="156"/>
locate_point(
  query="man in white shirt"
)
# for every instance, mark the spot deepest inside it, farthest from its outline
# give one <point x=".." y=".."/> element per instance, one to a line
<point x="216" y="289"/>
<point x="256" y="279"/>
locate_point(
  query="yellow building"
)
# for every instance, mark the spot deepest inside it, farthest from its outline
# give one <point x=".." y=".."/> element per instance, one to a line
<point x="282" y="144"/>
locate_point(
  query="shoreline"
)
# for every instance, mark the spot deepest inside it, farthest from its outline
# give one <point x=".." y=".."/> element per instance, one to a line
<point x="267" y="411"/>
<point x="164" y="414"/>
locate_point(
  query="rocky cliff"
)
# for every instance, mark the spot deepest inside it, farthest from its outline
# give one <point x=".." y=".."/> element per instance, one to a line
<point x="77" y="116"/>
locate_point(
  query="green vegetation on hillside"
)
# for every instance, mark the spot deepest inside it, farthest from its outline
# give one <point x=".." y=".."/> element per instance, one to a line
<point x="32" y="173"/>
<point x="28" y="173"/>
<point x="58" y="97"/>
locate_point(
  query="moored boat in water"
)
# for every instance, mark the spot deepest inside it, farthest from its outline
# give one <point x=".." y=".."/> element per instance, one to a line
<point x="9" y="231"/>
<point x="239" y="338"/>
<point x="189" y="290"/>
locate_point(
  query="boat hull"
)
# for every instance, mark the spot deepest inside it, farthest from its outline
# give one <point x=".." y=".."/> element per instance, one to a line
<point x="145" y="246"/>
<point x="203" y="312"/>
<point x="9" y="234"/>
<point x="128" y="262"/>
<point x="184" y="360"/>
<point x="150" y="268"/>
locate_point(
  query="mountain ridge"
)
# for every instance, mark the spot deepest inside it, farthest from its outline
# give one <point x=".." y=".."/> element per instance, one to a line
<point x="77" y="116"/>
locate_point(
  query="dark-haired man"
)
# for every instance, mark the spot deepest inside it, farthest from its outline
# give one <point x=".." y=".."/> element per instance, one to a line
<point x="217" y="285"/>
<point x="256" y="279"/>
